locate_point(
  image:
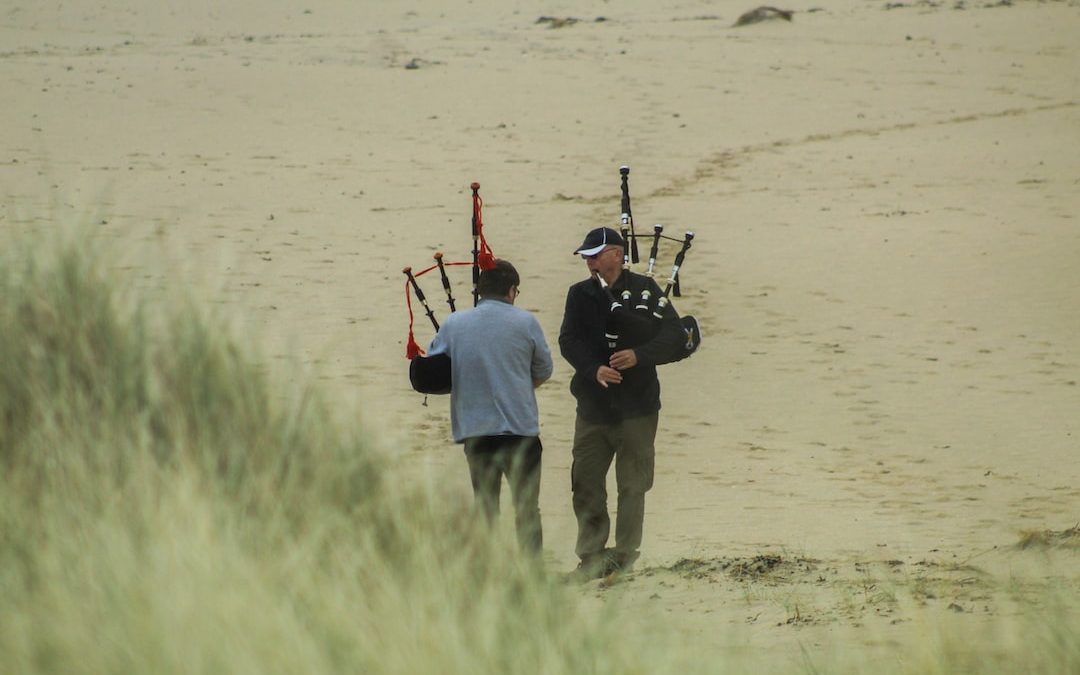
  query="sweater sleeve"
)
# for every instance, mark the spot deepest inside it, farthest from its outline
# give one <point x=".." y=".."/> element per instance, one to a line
<point x="440" y="344"/>
<point x="542" y="365"/>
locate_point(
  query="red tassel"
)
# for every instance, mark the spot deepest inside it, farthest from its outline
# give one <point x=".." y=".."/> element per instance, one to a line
<point x="412" y="350"/>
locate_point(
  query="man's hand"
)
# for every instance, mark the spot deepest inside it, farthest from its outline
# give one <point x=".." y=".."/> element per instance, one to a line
<point x="621" y="360"/>
<point x="606" y="376"/>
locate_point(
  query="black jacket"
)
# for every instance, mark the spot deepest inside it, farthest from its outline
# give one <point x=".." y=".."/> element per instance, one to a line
<point x="583" y="343"/>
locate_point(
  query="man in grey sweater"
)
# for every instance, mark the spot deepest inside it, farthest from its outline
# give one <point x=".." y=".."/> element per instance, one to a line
<point x="498" y="356"/>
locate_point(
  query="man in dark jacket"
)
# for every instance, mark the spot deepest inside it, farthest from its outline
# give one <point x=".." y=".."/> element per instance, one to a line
<point x="618" y="399"/>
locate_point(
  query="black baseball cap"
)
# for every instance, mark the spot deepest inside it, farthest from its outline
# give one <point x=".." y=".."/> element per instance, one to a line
<point x="596" y="240"/>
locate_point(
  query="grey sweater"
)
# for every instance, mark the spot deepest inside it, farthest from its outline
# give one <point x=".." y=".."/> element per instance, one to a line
<point x="496" y="352"/>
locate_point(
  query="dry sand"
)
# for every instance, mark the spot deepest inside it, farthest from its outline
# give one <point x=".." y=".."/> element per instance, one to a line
<point x="886" y="268"/>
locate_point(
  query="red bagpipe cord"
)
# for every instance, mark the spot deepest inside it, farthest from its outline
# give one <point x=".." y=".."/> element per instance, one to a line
<point x="412" y="349"/>
<point x="485" y="259"/>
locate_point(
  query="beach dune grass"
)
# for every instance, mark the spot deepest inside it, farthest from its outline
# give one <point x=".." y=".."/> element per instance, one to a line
<point x="169" y="506"/>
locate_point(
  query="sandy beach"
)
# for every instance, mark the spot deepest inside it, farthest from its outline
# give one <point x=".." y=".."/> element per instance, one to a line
<point x="886" y="263"/>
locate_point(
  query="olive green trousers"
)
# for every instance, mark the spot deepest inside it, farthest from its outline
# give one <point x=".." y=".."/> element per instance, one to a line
<point x="630" y="444"/>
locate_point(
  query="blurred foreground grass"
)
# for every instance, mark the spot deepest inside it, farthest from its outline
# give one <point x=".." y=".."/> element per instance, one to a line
<point x="166" y="506"/>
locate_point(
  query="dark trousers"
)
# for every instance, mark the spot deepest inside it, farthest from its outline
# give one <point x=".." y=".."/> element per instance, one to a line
<point x="518" y="459"/>
<point x="630" y="444"/>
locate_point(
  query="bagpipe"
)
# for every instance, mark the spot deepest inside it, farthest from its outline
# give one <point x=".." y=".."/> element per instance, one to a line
<point x="635" y="320"/>
<point x="431" y="374"/>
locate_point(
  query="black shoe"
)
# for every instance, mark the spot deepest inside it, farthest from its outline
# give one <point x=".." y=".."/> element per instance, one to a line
<point x="593" y="566"/>
<point x="616" y="563"/>
<point x="622" y="562"/>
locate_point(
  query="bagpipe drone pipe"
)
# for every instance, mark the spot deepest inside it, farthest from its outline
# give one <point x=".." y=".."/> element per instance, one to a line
<point x="431" y="374"/>
<point x="635" y="315"/>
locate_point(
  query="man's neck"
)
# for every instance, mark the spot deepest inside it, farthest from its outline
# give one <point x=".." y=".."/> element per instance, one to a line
<point x="613" y="277"/>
